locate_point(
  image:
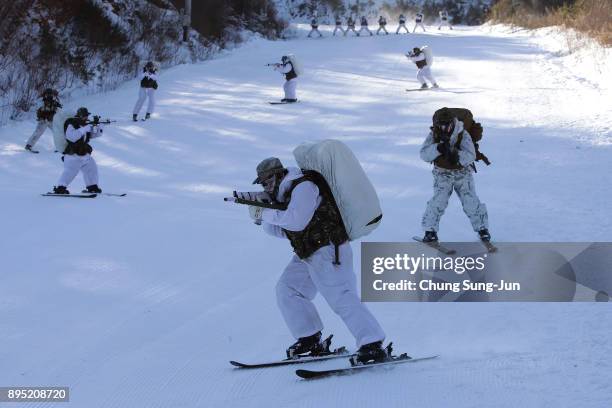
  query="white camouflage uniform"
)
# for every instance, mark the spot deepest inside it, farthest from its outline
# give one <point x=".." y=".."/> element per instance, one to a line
<point x="461" y="181"/>
<point x="303" y="278"/>
<point x="74" y="163"/>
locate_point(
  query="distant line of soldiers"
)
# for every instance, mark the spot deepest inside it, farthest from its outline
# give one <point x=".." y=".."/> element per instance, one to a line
<point x="382" y="23"/>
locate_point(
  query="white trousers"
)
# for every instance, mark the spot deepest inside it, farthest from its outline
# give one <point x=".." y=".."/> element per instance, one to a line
<point x="364" y="28"/>
<point x="315" y="30"/>
<point x="444" y="23"/>
<point x="425" y="74"/>
<point x="289" y="87"/>
<point x="73" y="163"/>
<point x="301" y="281"/>
<point x="418" y="25"/>
<point x="402" y="25"/>
<point x="381" y="28"/>
<point x="338" y="28"/>
<point x="40" y="129"/>
<point x="462" y="182"/>
<point x="142" y="95"/>
<point x="350" y="29"/>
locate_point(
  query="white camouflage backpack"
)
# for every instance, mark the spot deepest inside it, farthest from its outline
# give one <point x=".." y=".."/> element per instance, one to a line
<point x="353" y="192"/>
<point x="297" y="67"/>
<point x="59" y="136"/>
<point x="428" y="55"/>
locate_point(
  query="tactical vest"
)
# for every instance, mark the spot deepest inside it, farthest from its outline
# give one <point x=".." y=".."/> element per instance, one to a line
<point x="81" y="147"/>
<point x="421" y="64"/>
<point x="147" y="82"/>
<point x="291" y="74"/>
<point x="443" y="161"/>
<point x="325" y="227"/>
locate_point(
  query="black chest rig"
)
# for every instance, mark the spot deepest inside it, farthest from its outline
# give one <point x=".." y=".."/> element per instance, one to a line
<point x="81" y="147"/>
<point x="325" y="227"/>
<point x="291" y="74"/>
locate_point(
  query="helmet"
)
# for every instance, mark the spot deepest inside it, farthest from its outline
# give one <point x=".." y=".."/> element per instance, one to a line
<point x="82" y="112"/>
<point x="444" y="121"/>
<point x="416" y="50"/>
<point x="284" y="59"/>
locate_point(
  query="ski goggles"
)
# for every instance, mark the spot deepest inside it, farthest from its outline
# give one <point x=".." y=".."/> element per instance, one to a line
<point x="445" y="127"/>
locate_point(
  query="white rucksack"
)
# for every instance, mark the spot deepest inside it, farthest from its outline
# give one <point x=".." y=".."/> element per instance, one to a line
<point x="428" y="55"/>
<point x="59" y="136"/>
<point x="297" y="67"/>
<point x="353" y="192"/>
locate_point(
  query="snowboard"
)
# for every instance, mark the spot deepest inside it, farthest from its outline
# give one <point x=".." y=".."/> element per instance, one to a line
<point x="311" y="374"/>
<point x="281" y="103"/>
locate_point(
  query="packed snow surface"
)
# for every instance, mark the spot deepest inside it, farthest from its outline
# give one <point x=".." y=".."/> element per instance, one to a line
<point x="141" y="301"/>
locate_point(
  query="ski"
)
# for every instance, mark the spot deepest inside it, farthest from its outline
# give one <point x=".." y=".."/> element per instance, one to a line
<point x="281" y="103"/>
<point x="106" y="194"/>
<point x="404" y="358"/>
<point x="92" y="195"/>
<point x="436" y="245"/>
<point x="337" y="353"/>
<point x="32" y="151"/>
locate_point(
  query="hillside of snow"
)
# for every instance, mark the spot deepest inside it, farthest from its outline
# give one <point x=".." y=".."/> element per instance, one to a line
<point x="141" y="301"/>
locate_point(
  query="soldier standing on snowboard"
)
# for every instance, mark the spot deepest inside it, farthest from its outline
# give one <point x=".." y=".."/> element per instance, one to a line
<point x="148" y="85"/>
<point x="44" y="116"/>
<point x="450" y="148"/>
<point x="323" y="262"/>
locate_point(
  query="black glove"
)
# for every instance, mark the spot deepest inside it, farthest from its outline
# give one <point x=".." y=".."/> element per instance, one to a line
<point x="443" y="148"/>
<point x="96" y="120"/>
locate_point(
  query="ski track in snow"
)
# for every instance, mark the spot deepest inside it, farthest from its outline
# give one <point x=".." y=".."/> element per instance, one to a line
<point x="141" y="301"/>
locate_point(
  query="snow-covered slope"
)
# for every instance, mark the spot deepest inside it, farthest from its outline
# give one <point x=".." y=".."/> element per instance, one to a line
<point x="141" y="301"/>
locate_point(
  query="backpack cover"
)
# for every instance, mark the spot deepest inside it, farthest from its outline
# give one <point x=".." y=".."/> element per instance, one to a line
<point x="353" y="192"/>
<point x="428" y="55"/>
<point x="59" y="137"/>
<point x="297" y="67"/>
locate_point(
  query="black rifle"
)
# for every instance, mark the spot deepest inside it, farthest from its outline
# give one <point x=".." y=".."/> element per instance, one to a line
<point x="260" y="202"/>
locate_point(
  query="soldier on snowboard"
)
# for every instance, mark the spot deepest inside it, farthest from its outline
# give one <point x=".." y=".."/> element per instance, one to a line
<point x="323" y="262"/>
<point x="424" y="71"/>
<point x="452" y="152"/>
<point x="77" y="154"/>
<point x="287" y="68"/>
<point x="148" y="86"/>
<point x="44" y="116"/>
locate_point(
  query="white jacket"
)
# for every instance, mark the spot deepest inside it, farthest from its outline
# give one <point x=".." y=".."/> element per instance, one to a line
<point x="467" y="152"/>
<point x="305" y="199"/>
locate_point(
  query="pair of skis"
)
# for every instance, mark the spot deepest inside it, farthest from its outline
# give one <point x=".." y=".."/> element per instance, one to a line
<point x="338" y="353"/>
<point x="448" y="251"/>
<point x="84" y="195"/>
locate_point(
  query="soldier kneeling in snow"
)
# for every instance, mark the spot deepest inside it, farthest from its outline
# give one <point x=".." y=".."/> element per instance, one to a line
<point x="450" y="148"/>
<point x="323" y="261"/>
<point x="77" y="154"/>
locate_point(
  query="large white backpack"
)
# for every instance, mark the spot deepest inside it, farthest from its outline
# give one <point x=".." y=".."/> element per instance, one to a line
<point x="297" y="67"/>
<point x="428" y="55"/>
<point x="59" y="136"/>
<point x="353" y="192"/>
